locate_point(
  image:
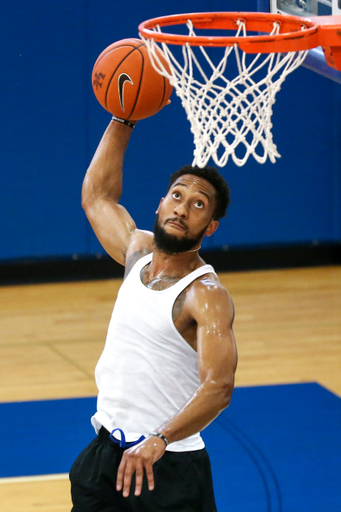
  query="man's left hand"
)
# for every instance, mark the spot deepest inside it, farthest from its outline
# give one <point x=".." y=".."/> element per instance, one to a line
<point x="137" y="459"/>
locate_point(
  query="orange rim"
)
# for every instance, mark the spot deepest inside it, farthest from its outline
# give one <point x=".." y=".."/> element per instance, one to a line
<point x="290" y="38"/>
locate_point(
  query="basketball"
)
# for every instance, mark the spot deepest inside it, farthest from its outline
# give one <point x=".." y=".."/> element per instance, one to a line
<point x="125" y="82"/>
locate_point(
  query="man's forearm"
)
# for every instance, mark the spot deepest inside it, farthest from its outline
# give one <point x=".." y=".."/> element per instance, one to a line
<point x="104" y="175"/>
<point x="205" y="405"/>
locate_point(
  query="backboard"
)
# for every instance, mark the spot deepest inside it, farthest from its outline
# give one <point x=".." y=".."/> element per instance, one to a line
<point x="306" y="8"/>
<point x="315" y="60"/>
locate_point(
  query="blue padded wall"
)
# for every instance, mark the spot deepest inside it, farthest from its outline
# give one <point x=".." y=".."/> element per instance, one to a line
<point x="51" y="123"/>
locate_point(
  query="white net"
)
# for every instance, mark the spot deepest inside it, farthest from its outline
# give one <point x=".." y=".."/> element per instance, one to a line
<point x="228" y="116"/>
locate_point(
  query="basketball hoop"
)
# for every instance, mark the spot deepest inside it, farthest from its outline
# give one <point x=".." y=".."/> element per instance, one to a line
<point x="231" y="116"/>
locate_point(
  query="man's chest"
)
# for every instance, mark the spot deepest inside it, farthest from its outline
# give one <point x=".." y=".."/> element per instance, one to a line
<point x="183" y="321"/>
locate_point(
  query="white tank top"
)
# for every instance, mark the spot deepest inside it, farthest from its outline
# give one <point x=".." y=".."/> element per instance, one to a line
<point x="147" y="371"/>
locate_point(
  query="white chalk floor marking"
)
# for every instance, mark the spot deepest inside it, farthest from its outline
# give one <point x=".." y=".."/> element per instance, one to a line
<point x="36" y="478"/>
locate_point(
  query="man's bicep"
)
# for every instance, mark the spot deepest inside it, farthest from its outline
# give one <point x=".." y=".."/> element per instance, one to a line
<point x="217" y="352"/>
<point x="113" y="227"/>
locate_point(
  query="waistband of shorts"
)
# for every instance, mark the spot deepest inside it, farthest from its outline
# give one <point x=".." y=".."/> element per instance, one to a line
<point x="105" y="436"/>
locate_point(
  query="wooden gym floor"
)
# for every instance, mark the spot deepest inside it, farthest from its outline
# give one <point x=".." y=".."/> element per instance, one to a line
<point x="288" y="330"/>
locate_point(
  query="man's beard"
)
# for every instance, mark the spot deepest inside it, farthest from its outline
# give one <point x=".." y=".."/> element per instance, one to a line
<point x="170" y="244"/>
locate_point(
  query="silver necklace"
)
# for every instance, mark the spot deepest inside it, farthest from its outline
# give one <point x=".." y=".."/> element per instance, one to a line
<point x="194" y="250"/>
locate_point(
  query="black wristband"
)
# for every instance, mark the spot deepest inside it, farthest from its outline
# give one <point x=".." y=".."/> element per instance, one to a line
<point x="123" y="121"/>
<point x="161" y="436"/>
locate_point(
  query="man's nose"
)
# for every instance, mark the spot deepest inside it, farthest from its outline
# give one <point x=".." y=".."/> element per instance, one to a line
<point x="181" y="210"/>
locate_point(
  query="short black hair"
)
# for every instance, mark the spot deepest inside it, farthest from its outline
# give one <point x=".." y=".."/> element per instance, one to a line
<point x="218" y="181"/>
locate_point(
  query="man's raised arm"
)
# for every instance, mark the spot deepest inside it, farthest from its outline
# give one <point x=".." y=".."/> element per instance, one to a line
<point x="102" y="190"/>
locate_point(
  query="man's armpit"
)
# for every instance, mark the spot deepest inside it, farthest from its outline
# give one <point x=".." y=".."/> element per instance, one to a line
<point x="133" y="258"/>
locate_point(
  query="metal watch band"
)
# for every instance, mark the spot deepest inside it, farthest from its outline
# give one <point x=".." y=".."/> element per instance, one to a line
<point x="123" y="121"/>
<point x="161" y="436"/>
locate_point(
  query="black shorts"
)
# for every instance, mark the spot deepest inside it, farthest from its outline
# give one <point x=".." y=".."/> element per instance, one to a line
<point x="183" y="481"/>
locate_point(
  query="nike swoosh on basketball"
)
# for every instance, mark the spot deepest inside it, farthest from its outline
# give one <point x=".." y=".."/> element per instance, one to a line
<point x="122" y="79"/>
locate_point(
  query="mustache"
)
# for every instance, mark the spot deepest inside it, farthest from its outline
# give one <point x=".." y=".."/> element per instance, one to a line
<point x="179" y="221"/>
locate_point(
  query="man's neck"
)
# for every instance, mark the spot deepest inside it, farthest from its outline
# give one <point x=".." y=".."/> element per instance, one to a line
<point x="179" y="264"/>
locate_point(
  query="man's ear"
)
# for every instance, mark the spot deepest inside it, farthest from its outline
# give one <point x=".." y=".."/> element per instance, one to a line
<point x="212" y="227"/>
<point x="158" y="208"/>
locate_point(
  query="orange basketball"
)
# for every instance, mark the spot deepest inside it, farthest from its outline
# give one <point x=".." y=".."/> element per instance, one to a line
<point x="125" y="82"/>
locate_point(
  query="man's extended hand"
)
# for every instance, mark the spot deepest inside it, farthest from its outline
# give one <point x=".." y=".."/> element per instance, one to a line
<point x="137" y="459"/>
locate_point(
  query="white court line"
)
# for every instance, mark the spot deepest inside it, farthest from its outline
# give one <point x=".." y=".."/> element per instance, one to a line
<point x="36" y="478"/>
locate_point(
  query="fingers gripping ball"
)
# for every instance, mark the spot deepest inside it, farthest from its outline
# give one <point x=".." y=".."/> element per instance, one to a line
<point x="125" y="82"/>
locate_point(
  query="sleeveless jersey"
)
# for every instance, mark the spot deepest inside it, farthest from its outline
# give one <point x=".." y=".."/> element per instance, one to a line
<point x="147" y="371"/>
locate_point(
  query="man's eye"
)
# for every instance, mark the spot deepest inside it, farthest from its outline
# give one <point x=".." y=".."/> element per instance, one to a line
<point x="176" y="195"/>
<point x="199" y="204"/>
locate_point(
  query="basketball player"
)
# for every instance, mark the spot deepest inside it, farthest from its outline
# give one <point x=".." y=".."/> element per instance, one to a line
<point x="167" y="369"/>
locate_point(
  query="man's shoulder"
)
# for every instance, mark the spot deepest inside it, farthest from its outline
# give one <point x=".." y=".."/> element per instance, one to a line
<point x="208" y="286"/>
<point x="208" y="300"/>
<point x="207" y="294"/>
